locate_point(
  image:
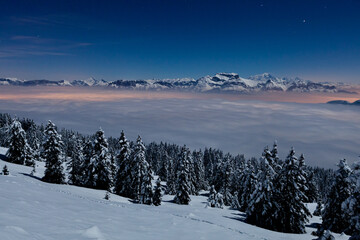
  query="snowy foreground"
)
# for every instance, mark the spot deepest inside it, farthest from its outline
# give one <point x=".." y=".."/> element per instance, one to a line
<point x="32" y="209"/>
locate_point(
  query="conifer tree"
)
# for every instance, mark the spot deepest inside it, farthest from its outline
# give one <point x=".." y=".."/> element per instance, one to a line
<point x="5" y="170"/>
<point x="146" y="189"/>
<point x="351" y="206"/>
<point x="157" y="193"/>
<point x="226" y="180"/>
<point x="123" y="175"/>
<point x="318" y="209"/>
<point x="199" y="171"/>
<point x="19" y="151"/>
<point x="215" y="199"/>
<point x="326" y="235"/>
<point x="107" y="195"/>
<point x="137" y="169"/>
<point x="333" y="215"/>
<point x="171" y="177"/>
<point x="192" y="175"/>
<point x="164" y="164"/>
<point x="76" y="159"/>
<point x="183" y="181"/>
<point x="303" y="177"/>
<point x="275" y="163"/>
<point x="262" y="203"/>
<point x="291" y="214"/>
<point x="53" y="155"/>
<point x="101" y="161"/>
<point x="249" y="181"/>
<point x="235" y="201"/>
<point x="87" y="168"/>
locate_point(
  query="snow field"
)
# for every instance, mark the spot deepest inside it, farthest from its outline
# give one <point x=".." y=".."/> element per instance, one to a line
<point x="32" y="209"/>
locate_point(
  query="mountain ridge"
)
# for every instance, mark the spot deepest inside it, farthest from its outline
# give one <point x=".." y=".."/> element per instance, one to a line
<point x="220" y="82"/>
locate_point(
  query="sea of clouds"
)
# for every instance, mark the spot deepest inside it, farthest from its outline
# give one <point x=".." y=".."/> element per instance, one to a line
<point x="324" y="133"/>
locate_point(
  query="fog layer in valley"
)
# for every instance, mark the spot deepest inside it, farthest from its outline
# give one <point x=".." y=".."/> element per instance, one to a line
<point x="324" y="133"/>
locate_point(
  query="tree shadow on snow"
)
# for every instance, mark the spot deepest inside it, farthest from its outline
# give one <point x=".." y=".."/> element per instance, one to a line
<point x="237" y="216"/>
<point x="32" y="176"/>
<point x="313" y="225"/>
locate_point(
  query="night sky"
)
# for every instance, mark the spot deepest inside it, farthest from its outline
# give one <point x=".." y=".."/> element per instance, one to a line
<point x="316" y="39"/>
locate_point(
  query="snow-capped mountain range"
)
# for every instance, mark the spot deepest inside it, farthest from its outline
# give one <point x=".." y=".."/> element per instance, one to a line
<point x="221" y="82"/>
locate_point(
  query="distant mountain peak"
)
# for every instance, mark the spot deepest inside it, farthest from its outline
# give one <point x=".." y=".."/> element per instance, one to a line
<point x="220" y="82"/>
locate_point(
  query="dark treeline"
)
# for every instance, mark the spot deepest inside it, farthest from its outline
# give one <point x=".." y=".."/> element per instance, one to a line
<point x="272" y="192"/>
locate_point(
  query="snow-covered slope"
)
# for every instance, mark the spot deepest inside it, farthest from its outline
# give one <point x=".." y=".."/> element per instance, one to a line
<point x="221" y="82"/>
<point x="32" y="209"/>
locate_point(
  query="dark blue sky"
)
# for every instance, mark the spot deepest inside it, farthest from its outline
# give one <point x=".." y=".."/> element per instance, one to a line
<point x="315" y="39"/>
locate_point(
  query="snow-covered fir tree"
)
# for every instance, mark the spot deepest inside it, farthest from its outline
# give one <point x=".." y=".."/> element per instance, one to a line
<point x="123" y="175"/>
<point x="5" y="170"/>
<point x="215" y="199"/>
<point x="235" y="201"/>
<point x="107" y="195"/>
<point x="262" y="204"/>
<point x="312" y="192"/>
<point x="183" y="179"/>
<point x="19" y="150"/>
<point x="303" y="177"/>
<point x="171" y="177"/>
<point x="192" y="176"/>
<point x="5" y="122"/>
<point x="101" y="161"/>
<point x="275" y="163"/>
<point x="226" y="179"/>
<point x="146" y="189"/>
<point x="318" y="209"/>
<point x="351" y="206"/>
<point x="87" y="168"/>
<point x="139" y="168"/>
<point x="53" y="155"/>
<point x="333" y="215"/>
<point x="157" y="193"/>
<point x="326" y="235"/>
<point x="76" y="159"/>
<point x="291" y="213"/>
<point x="199" y="167"/>
<point x="164" y="164"/>
<point x="249" y="181"/>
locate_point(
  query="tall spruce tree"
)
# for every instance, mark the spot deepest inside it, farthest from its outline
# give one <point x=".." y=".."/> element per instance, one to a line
<point x="101" y="161"/>
<point x="76" y="159"/>
<point x="53" y="155"/>
<point x="146" y="189"/>
<point x="275" y="163"/>
<point x="226" y="180"/>
<point x="87" y="168"/>
<point x="137" y="169"/>
<point x="292" y="214"/>
<point x="171" y="177"/>
<point x="262" y="203"/>
<point x="199" y="167"/>
<point x="249" y="181"/>
<point x="123" y="175"/>
<point x="333" y="215"/>
<point x="157" y="193"/>
<point x="183" y="179"/>
<point x="351" y="206"/>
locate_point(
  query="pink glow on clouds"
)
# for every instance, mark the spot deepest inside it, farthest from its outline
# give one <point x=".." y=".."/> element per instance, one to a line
<point x="85" y="94"/>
